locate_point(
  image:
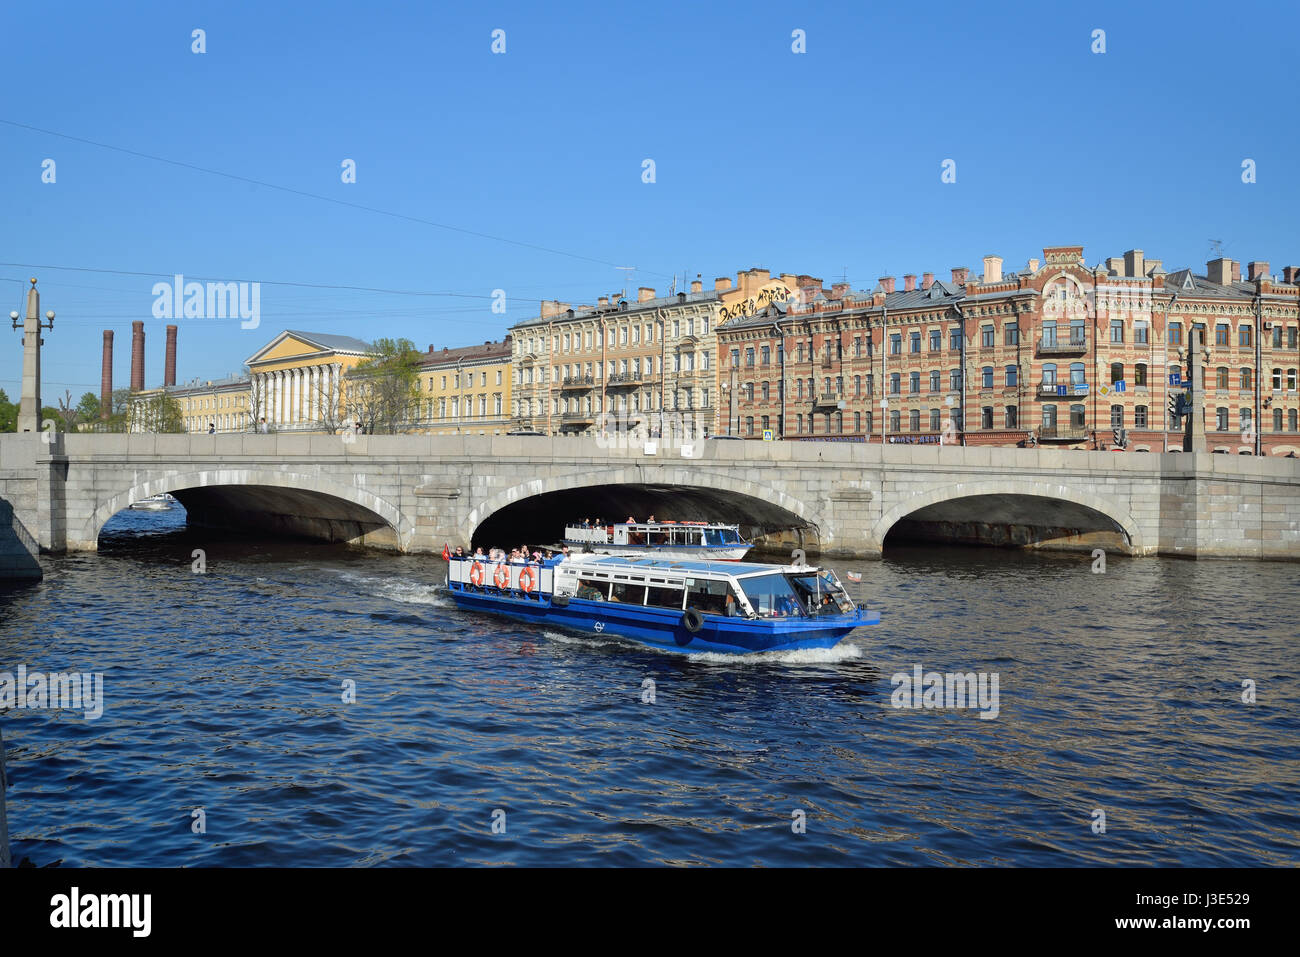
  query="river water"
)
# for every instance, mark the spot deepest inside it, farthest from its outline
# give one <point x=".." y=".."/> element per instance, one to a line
<point x="477" y="742"/>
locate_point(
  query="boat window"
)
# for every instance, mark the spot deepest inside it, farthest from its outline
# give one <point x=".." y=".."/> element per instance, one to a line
<point x="711" y="598"/>
<point x="664" y="597"/>
<point x="713" y="536"/>
<point x="772" y="596"/>
<point x="591" y="589"/>
<point x="628" y="593"/>
<point x="820" y="595"/>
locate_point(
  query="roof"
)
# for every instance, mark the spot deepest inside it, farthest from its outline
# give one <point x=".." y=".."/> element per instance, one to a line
<point x="593" y="312"/>
<point x="487" y="350"/>
<point x="1186" y="283"/>
<point x="329" y="341"/>
<point x="703" y="567"/>
<point x="203" y="385"/>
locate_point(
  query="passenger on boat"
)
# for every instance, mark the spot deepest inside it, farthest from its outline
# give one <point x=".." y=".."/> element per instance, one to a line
<point x="478" y="552"/>
<point x="631" y="520"/>
<point x="460" y="552"/>
<point x="650" y="519"/>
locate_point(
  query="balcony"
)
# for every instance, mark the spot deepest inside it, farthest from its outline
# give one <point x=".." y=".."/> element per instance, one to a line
<point x="570" y="418"/>
<point x="577" y="382"/>
<point x="1062" y="390"/>
<point x="627" y="379"/>
<point x="827" y="400"/>
<point x="1062" y="433"/>
<point x="1051" y="346"/>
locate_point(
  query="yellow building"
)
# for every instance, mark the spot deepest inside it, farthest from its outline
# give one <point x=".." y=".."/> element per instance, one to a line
<point x="298" y="381"/>
<point x="219" y="404"/>
<point x="465" y="390"/>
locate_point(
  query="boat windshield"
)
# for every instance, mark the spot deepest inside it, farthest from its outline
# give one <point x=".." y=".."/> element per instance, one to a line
<point x="773" y="596"/>
<point x="721" y="536"/>
<point x="820" y="594"/>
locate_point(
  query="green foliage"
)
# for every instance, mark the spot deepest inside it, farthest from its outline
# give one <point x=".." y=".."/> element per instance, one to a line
<point x="88" y="407"/>
<point x="384" y="387"/>
<point x="159" y="412"/>
<point x="8" y="414"/>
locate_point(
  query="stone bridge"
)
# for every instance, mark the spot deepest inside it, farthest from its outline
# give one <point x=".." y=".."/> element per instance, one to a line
<point x="415" y="493"/>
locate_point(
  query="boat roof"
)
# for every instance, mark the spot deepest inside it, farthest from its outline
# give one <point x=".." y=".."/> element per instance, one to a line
<point x="659" y="525"/>
<point x="733" y="569"/>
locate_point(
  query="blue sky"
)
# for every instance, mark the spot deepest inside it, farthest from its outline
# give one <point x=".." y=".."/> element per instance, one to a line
<point x="826" y="162"/>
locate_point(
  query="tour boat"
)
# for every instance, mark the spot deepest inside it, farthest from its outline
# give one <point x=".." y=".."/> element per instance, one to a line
<point x="666" y="540"/>
<point x="693" y="606"/>
<point x="155" y="503"/>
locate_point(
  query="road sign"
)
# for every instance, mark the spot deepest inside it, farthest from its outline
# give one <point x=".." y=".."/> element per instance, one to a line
<point x="1175" y="378"/>
<point x="769" y="435"/>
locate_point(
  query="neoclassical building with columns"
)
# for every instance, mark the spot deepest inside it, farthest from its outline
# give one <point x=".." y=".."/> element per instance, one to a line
<point x="296" y="380"/>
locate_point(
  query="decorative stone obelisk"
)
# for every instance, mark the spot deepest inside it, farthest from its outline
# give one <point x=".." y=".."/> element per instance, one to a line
<point x="29" y="409"/>
<point x="1194" y="434"/>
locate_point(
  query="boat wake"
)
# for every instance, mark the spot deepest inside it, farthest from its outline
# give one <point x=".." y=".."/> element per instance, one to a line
<point x="796" y="657"/>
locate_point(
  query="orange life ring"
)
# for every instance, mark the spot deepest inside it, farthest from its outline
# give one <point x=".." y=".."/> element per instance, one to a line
<point x="526" y="580"/>
<point x="502" y="576"/>
<point x="476" y="573"/>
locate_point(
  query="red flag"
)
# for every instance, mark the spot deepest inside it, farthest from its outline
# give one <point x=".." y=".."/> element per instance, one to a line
<point x="446" y="552"/>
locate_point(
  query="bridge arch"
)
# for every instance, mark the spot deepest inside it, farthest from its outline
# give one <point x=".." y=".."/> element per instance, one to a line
<point x="1108" y="509"/>
<point x="773" y="506"/>
<point x="174" y="482"/>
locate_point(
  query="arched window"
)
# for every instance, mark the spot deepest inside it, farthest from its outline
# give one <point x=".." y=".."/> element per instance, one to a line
<point x="749" y="424"/>
<point x="1077" y="417"/>
<point x="986" y="377"/>
<point x="1117" y="372"/>
<point x="894" y="420"/>
<point x="1049" y="373"/>
<point x="1140" y="375"/>
<point x="914" y="420"/>
<point x="1221" y="378"/>
<point x="1277" y="420"/>
<point x="1117" y="416"/>
<point x="1246" y="378"/>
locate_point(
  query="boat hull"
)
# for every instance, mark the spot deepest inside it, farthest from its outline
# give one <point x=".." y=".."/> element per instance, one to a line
<point x="664" y="628"/>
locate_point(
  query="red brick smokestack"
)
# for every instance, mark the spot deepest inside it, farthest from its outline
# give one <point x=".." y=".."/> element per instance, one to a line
<point x="106" y="377"/>
<point x="169" y="372"/>
<point x="137" y="356"/>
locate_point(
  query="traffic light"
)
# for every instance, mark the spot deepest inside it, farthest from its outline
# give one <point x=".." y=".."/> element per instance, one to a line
<point x="1173" y="406"/>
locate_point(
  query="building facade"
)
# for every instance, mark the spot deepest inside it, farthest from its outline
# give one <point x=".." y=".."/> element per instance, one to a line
<point x="298" y="381"/>
<point x="1057" y="353"/>
<point x="219" y="404"/>
<point x="465" y="390"/>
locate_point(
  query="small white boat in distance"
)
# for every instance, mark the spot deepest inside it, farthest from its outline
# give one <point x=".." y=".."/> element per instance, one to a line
<point x="670" y="541"/>
<point x="155" y="503"/>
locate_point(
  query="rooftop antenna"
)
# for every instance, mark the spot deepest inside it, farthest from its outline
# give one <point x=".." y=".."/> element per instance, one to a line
<point x="627" y="278"/>
<point x="1216" y="248"/>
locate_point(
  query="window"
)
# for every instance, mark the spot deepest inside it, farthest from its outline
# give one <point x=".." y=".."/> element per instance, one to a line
<point x="857" y="421"/>
<point x="1246" y="420"/>
<point x="767" y="423"/>
<point x="871" y="380"/>
<point x="1140" y="417"/>
<point x="1277" y="420"/>
<point x="1013" y="376"/>
<point x="766" y="393"/>
<point x="735" y="358"/>
<point x="1117" y="372"/>
<point x="893" y="383"/>
<point x="857" y="386"/>
<point x="1140" y="374"/>
<point x="934" y="420"/>
<point x="986" y="377"/>
<point x="1049" y="332"/>
<point x="986" y="337"/>
<point x="894" y="421"/>
<point x="1277" y="337"/>
<point x="1221" y="334"/>
<point x="749" y="358"/>
<point x="954" y="340"/>
<point x="868" y="422"/>
<point x="914" y="342"/>
<point x="1246" y="379"/>
<point x="767" y="355"/>
<point x="749" y="425"/>
<point x="1291" y="337"/>
<point x="1011" y="417"/>
<point x="914" y="382"/>
<point x="954" y="380"/>
<point x="1221" y="419"/>
<point x="1141" y="331"/>
<point x="1077" y="417"/>
<point x="798" y="422"/>
<point x="936" y="340"/>
<point x="935" y="377"/>
<point x="798" y="388"/>
<point x="1291" y="420"/>
<point x="1277" y="380"/>
<point x="895" y="343"/>
<point x="1221" y="378"/>
<point x="1175" y="334"/>
<point x="857" y="347"/>
<point x="986" y="417"/>
<point x="1117" y="416"/>
<point x="1049" y="416"/>
<point x="914" y="420"/>
<point x="1011" y="334"/>
<point x="1244" y="336"/>
<point x="1117" y="330"/>
<point x="1290" y="380"/>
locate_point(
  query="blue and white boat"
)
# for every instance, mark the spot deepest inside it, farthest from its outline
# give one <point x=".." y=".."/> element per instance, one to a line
<point x="664" y="540"/>
<point x="728" y="607"/>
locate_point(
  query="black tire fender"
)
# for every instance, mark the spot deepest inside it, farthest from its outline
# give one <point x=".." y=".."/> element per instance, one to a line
<point x="693" y="621"/>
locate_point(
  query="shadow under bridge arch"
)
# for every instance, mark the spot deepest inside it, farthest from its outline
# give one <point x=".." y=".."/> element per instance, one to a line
<point x="533" y="515"/>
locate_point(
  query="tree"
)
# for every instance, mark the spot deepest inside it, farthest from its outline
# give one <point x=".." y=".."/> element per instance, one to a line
<point x="159" y="412"/>
<point x="69" y="413"/>
<point x="384" y="387"/>
<point x="8" y="414"/>
<point x="89" y="408"/>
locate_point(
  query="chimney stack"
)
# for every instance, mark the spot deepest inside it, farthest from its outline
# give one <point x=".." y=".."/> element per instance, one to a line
<point x="1032" y="265"/>
<point x="1134" y="263"/>
<point x="960" y="274"/>
<point x="645" y="292"/>
<point x="887" y="283"/>
<point x="722" y="283"/>
<point x="169" y="369"/>
<point x="697" y="285"/>
<point x="106" y="377"/>
<point x="137" y="356"/>
<point x="1258" y="270"/>
<point x="840" y="289"/>
<point x="1219" y="271"/>
<point x="1290" y="274"/>
<point x="992" y="268"/>
<point x="927" y="280"/>
<point x="1236" y="270"/>
<point x="909" y="282"/>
